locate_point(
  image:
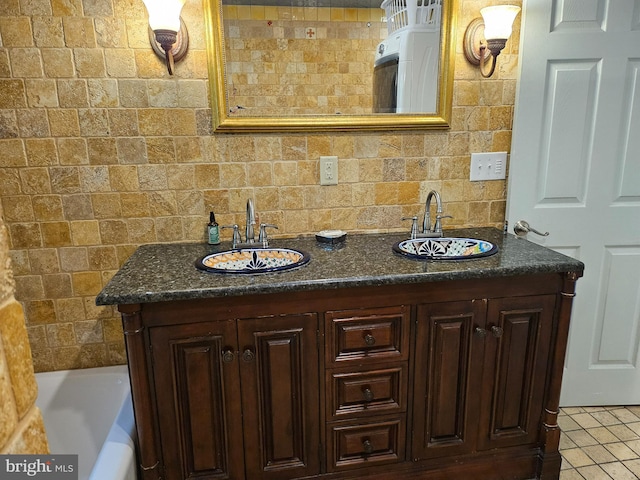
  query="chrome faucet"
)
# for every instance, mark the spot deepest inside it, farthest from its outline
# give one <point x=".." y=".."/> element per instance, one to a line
<point x="427" y="231"/>
<point x="426" y="223"/>
<point x="249" y="231"/>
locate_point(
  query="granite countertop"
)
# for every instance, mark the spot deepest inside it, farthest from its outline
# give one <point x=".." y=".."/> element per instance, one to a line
<point x="164" y="272"/>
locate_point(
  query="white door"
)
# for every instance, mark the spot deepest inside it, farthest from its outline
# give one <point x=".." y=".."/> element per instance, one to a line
<point x="575" y="172"/>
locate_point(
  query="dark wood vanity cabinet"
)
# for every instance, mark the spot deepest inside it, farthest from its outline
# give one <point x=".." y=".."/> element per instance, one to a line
<point x="238" y="398"/>
<point x="482" y="368"/>
<point x="440" y="380"/>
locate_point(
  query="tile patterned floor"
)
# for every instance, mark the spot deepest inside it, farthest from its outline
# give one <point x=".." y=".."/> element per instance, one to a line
<point x="600" y="443"/>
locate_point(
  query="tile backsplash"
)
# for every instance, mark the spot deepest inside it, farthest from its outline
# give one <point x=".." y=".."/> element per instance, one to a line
<point x="102" y="151"/>
<point x="313" y="60"/>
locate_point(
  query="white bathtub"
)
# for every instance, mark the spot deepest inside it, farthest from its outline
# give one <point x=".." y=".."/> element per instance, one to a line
<point x="88" y="412"/>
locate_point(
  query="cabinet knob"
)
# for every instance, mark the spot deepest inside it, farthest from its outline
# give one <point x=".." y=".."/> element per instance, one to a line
<point x="248" y="355"/>
<point x="227" y="355"/>
<point x="480" y="332"/>
<point x="367" y="446"/>
<point x="497" y="331"/>
<point x="369" y="339"/>
<point x="368" y="394"/>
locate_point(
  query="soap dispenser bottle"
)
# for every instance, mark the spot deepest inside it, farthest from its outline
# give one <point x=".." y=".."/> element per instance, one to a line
<point x="213" y="230"/>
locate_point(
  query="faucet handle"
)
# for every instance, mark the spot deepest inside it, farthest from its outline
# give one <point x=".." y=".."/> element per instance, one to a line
<point x="262" y="237"/>
<point x="236" y="235"/>
<point x="414" y="226"/>
<point x="438" y="226"/>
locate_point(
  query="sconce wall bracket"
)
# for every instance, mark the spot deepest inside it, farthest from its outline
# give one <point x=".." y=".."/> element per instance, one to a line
<point x="475" y="47"/>
<point x="473" y="39"/>
<point x="162" y="38"/>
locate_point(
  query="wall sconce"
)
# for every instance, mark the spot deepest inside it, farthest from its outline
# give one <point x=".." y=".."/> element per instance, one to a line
<point x="497" y="22"/>
<point x="167" y="32"/>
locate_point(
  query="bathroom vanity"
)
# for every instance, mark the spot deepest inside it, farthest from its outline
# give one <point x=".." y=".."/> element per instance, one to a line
<point x="360" y="364"/>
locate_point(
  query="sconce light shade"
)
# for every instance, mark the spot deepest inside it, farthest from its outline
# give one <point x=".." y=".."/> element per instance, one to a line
<point x="497" y="23"/>
<point x="167" y="26"/>
<point x="164" y="14"/>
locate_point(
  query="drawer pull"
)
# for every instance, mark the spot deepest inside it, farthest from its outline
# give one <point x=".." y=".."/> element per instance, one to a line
<point x="367" y="446"/>
<point x="497" y="331"/>
<point x="227" y="355"/>
<point x="248" y="355"/>
<point x="368" y="394"/>
<point x="369" y="339"/>
<point x="480" y="332"/>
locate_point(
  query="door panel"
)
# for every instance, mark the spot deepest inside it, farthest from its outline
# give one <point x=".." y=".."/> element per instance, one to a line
<point x="280" y="395"/>
<point x="568" y="132"/>
<point x="575" y="172"/>
<point x="199" y="420"/>
<point x="579" y="15"/>
<point x="201" y="385"/>
<point x="447" y="386"/>
<point x="619" y="331"/>
<point x="515" y="369"/>
<point x="629" y="165"/>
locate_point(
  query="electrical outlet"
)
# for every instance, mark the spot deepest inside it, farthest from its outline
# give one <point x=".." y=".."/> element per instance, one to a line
<point x="488" y="166"/>
<point x="329" y="170"/>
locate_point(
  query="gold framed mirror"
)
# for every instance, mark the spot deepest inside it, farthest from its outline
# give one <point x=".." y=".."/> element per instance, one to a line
<point x="225" y="119"/>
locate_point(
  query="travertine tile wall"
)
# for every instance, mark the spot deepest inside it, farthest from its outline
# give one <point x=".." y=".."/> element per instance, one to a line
<point x="103" y="151"/>
<point x="21" y="426"/>
<point x="313" y="60"/>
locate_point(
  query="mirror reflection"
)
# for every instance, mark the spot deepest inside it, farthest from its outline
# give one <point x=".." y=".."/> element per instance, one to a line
<point x="332" y="64"/>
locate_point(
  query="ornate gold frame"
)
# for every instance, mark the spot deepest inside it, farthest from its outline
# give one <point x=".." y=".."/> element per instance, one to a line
<point x="223" y="123"/>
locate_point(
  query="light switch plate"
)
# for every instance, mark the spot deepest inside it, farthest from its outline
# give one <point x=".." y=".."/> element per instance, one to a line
<point x="488" y="166"/>
<point x="329" y="170"/>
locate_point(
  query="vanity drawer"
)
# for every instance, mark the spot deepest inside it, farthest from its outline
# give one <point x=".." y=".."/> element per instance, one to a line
<point x="379" y="391"/>
<point x="368" y="335"/>
<point x="366" y="444"/>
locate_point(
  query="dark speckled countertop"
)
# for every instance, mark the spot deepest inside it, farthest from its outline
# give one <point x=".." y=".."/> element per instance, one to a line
<point x="163" y="272"/>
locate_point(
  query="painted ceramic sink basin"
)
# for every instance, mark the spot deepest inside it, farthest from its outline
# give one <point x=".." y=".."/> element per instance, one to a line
<point x="445" y="248"/>
<point x="253" y="260"/>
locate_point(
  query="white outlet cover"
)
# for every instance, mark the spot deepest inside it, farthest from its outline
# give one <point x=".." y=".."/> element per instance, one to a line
<point x="329" y="170"/>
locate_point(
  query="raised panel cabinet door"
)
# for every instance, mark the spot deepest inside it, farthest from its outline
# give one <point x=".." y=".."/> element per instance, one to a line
<point x="197" y="384"/>
<point x="449" y="349"/>
<point x="515" y="368"/>
<point x="280" y="396"/>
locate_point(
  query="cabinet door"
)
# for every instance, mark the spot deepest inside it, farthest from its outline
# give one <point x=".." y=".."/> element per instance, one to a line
<point x="515" y="369"/>
<point x="447" y="378"/>
<point x="197" y="386"/>
<point x="280" y="396"/>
